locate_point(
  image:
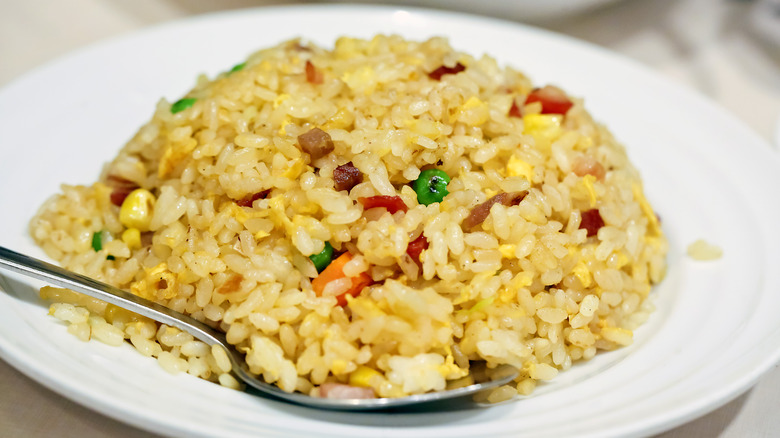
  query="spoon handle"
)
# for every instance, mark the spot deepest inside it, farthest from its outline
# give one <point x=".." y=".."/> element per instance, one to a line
<point x="51" y="274"/>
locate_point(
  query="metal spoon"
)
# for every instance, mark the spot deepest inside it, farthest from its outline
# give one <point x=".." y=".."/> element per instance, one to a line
<point x="22" y="264"/>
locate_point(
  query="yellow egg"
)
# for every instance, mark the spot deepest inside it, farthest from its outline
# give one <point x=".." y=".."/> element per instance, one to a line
<point x="517" y="167"/>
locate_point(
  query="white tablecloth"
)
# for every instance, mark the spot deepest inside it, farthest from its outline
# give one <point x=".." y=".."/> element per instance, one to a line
<point x="712" y="46"/>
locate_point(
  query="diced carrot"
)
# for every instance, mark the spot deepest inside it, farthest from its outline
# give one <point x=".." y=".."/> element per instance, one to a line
<point x="335" y="271"/>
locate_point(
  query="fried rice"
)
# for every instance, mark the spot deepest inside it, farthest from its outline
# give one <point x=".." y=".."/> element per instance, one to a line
<point x="384" y="215"/>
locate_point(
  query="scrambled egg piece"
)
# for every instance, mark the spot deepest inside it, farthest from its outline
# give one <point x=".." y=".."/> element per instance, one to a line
<point x="654" y="226"/>
<point x="517" y="167"/>
<point x="588" y="181"/>
<point x="544" y="128"/>
<point x="159" y="282"/>
<point x="583" y="273"/>
<point x="473" y="112"/>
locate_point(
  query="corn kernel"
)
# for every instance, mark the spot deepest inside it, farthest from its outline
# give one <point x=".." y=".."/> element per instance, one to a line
<point x="132" y="238"/>
<point x="136" y="210"/>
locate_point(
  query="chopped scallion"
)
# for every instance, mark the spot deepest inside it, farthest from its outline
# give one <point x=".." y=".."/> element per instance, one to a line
<point x="182" y="104"/>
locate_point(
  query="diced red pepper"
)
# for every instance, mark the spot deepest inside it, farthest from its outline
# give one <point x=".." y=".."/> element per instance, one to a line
<point x="553" y="100"/>
<point x="591" y="221"/>
<point x="391" y="203"/>
<point x="514" y="111"/>
<point x="444" y="70"/>
<point x="416" y="247"/>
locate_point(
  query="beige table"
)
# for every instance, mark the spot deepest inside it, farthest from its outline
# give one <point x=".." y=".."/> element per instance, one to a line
<point x="708" y="45"/>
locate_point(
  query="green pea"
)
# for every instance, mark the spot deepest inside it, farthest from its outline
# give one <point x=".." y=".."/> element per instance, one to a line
<point x="182" y="104"/>
<point x="322" y="260"/>
<point x="431" y="186"/>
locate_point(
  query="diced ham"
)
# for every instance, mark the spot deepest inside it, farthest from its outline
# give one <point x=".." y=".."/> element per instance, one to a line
<point x="587" y="165"/>
<point x="316" y="142"/>
<point x="313" y="76"/>
<point x="346" y="176"/>
<point x="553" y="100"/>
<point x="591" y="221"/>
<point x="249" y="200"/>
<point x="391" y="203"/>
<point x="343" y="392"/>
<point x="444" y="70"/>
<point x="121" y="188"/>
<point x="479" y="213"/>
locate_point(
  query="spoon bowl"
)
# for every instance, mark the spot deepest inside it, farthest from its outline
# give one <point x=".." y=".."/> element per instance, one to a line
<point x="38" y="269"/>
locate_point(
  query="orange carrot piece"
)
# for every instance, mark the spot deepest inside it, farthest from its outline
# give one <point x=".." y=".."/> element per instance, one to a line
<point x="335" y="271"/>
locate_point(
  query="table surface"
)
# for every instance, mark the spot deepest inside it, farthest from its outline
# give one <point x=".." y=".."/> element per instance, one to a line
<point x="712" y="46"/>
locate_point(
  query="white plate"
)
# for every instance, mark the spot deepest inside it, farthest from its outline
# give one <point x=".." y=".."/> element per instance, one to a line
<point x="522" y="10"/>
<point x="716" y="329"/>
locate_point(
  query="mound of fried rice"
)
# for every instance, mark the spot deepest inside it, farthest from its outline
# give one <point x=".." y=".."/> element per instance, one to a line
<point x="216" y="205"/>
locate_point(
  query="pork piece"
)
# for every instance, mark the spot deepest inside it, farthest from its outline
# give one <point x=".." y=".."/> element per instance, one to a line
<point x="587" y="165"/>
<point x="346" y="176"/>
<point x="249" y="200"/>
<point x="121" y="188"/>
<point x="316" y="142"/>
<point x="481" y="211"/>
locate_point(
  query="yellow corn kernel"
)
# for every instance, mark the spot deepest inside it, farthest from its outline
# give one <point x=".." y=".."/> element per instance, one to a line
<point x="136" y="210"/>
<point x="365" y="377"/>
<point x="132" y="238"/>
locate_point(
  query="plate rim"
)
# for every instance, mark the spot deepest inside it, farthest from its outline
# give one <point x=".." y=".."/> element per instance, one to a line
<point x="436" y="15"/>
